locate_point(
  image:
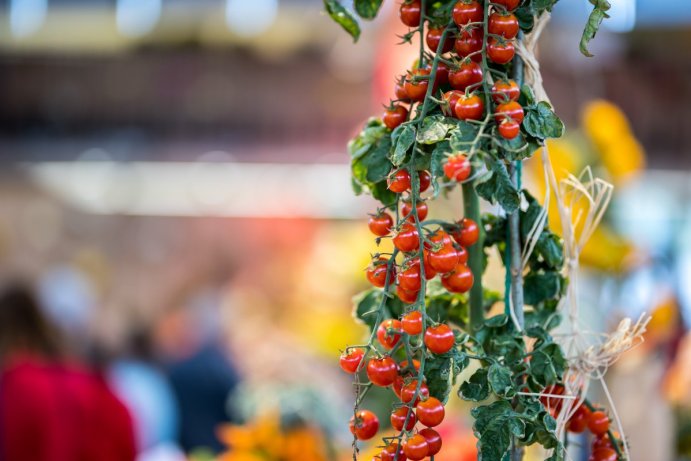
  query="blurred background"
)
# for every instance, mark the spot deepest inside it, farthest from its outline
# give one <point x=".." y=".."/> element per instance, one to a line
<point x="175" y="193"/>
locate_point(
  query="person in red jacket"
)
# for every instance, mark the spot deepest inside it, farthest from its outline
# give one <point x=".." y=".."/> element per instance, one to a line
<point x="51" y="408"/>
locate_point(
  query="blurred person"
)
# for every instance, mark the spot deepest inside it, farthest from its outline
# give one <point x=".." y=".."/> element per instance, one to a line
<point x="52" y="408"/>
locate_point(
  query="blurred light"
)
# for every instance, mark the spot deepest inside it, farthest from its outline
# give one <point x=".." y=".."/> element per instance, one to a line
<point x="250" y="18"/>
<point x="27" y="16"/>
<point x="622" y="16"/>
<point x="137" y="17"/>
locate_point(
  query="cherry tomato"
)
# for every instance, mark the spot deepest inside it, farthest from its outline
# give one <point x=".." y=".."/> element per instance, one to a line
<point x="509" y="129"/>
<point x="469" y="73"/>
<point x="603" y="454"/>
<point x="412" y="323"/>
<point x="409" y="279"/>
<point x="425" y="180"/>
<point x="407" y="208"/>
<point x="410" y="13"/>
<point x="389" y="333"/>
<point x="398" y="419"/>
<point x="393" y="452"/>
<point x="350" y="361"/>
<point x="469" y="43"/>
<point x="498" y="52"/>
<point x="376" y="272"/>
<point x="399" y="181"/>
<point x="460" y="280"/>
<point x="433" y="38"/>
<point x="395" y="116"/>
<point x="430" y="273"/>
<point x="439" y="339"/>
<point x="509" y="111"/>
<point x="602" y="441"/>
<point x="442" y="76"/>
<point x="415" y="368"/>
<point x="439" y="239"/>
<point x="408" y="392"/>
<point x="399" y="91"/>
<point x="462" y="255"/>
<point x="430" y="412"/>
<point x="382" y="371"/>
<point x="508" y="4"/>
<point x="364" y="425"/>
<point x="416" y="448"/>
<point x="450" y="99"/>
<point x="505" y="25"/>
<point x="467" y="234"/>
<point x="504" y="91"/>
<point x="579" y="420"/>
<point x="457" y="168"/>
<point x="407" y="239"/>
<point x="417" y="89"/>
<point x="444" y="260"/>
<point x="598" y="422"/>
<point x="380" y="224"/>
<point x="433" y="440"/>
<point x="470" y="107"/>
<point x="465" y="12"/>
<point x="408" y="297"/>
<point x="552" y="402"/>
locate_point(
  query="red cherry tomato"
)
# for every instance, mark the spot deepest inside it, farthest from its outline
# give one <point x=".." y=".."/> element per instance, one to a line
<point x="603" y="454"/>
<point x="380" y="224"/>
<point x="408" y="297"/>
<point x="415" y="368"/>
<point x="395" y="116"/>
<point x="457" y="168"/>
<point x="469" y="43"/>
<point x="412" y="323"/>
<point x="409" y="279"/>
<point x="417" y="89"/>
<point x="462" y="255"/>
<point x="407" y="239"/>
<point x="416" y="448"/>
<point x="393" y="452"/>
<point x="465" y="12"/>
<point x="433" y="38"/>
<point x="382" y="371"/>
<point x="508" y="4"/>
<point x="430" y="273"/>
<point x="425" y="180"/>
<point x="364" y="425"/>
<point x="444" y="260"/>
<point x="376" y="272"/>
<point x="505" y="25"/>
<point x="399" y="91"/>
<point x="433" y="440"/>
<point x="350" y="361"/>
<point x="389" y="333"/>
<point x="579" y="420"/>
<point x="467" y="234"/>
<point x="439" y="339"/>
<point x="410" y="13"/>
<point x="509" y="111"/>
<point x="399" y="181"/>
<point x="470" y="107"/>
<point x="439" y="239"/>
<point x="509" y="129"/>
<point x="408" y="392"/>
<point x="469" y="73"/>
<point x="430" y="412"/>
<point x="598" y="422"/>
<point x="450" y="99"/>
<point x="552" y="402"/>
<point x="442" y="76"/>
<point x="505" y="91"/>
<point x="602" y="441"/>
<point x="399" y="416"/>
<point x="407" y="208"/>
<point x="460" y="280"/>
<point x="500" y="52"/>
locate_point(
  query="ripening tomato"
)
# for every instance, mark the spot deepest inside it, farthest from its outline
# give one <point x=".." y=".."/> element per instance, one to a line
<point x="364" y="425"/>
<point x="417" y="89"/>
<point x="382" y="371"/>
<point x="439" y="339"/>
<point x="407" y="208"/>
<point x="469" y="73"/>
<point x="407" y="239"/>
<point x="380" y="224"/>
<point x="465" y="12"/>
<point x="444" y="260"/>
<point x="508" y="4"/>
<point x="376" y="272"/>
<point x="505" y="25"/>
<point x="470" y="107"/>
<point x="412" y="323"/>
<point x="416" y="448"/>
<point x="425" y="180"/>
<point x="450" y="99"/>
<point x="399" y="181"/>
<point x="433" y="440"/>
<point x="505" y="91"/>
<point x="457" y="168"/>
<point x="430" y="273"/>
<point x="509" y="111"/>
<point x="433" y="38"/>
<point x="408" y="392"/>
<point x="460" y="280"/>
<point x="350" y="360"/>
<point x="430" y="412"/>
<point x="467" y="234"/>
<point x="500" y="52"/>
<point x="509" y="129"/>
<point x="394" y="116"/>
<point x="393" y="452"/>
<point x="399" y="416"/>
<point x="399" y="91"/>
<point x="389" y="333"/>
<point x="469" y="44"/>
<point x="598" y="422"/>
<point x="603" y="454"/>
<point x="410" y="13"/>
<point x="579" y="420"/>
<point x="409" y="279"/>
<point x="407" y="297"/>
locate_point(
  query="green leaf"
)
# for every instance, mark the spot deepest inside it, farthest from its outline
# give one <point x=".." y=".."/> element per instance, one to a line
<point x="599" y="13"/>
<point x="542" y="286"/>
<point x="495" y="424"/>
<point x="402" y="138"/>
<point x="439" y="154"/>
<point x="549" y="246"/>
<point x="526" y="18"/>
<point x="433" y="130"/>
<point x="477" y="388"/>
<point x="543" y="5"/>
<point x="343" y="17"/>
<point x="365" y="306"/>
<point x="497" y="187"/>
<point x="367" y="9"/>
<point x="441" y="372"/>
<point x="527" y="97"/>
<point x="463" y="136"/>
<point x="547" y="364"/>
<point x="499" y="378"/>
<point x="541" y="122"/>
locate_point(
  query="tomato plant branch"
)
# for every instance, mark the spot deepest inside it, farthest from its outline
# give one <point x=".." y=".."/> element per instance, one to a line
<point x="471" y="207"/>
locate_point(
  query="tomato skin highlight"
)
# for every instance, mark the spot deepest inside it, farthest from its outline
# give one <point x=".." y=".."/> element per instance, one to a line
<point x="407" y="239"/>
<point x="439" y="339"/>
<point x="398" y="417"/>
<point x="382" y="371"/>
<point x="509" y="129"/>
<point x="380" y="224"/>
<point x="468" y="74"/>
<point x="467" y="12"/>
<point x="467" y="234"/>
<point x="505" y="25"/>
<point x="500" y="53"/>
<point x="399" y="181"/>
<point x="410" y="13"/>
<point x="395" y="116"/>
<point x="433" y="440"/>
<point x="364" y="425"/>
<point x="416" y="448"/>
<point x="505" y="91"/>
<point x="470" y="107"/>
<point x="430" y="412"/>
<point x="460" y="280"/>
<point x="598" y="422"/>
<point x="412" y="323"/>
<point x="509" y="111"/>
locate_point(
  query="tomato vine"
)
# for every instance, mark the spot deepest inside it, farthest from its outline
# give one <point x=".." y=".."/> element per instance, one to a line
<point x="462" y="117"/>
